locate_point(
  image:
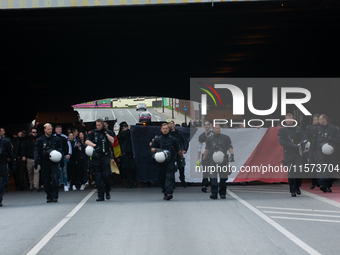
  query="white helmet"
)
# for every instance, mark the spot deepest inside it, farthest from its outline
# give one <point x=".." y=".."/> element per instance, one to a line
<point x="55" y="156"/>
<point x="162" y="156"/>
<point x="218" y="157"/>
<point x="304" y="148"/>
<point x="327" y="149"/>
<point x="89" y="151"/>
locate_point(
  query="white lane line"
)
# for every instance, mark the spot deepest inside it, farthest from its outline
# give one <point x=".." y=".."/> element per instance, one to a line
<point x="323" y="199"/>
<point x="278" y="227"/>
<point x="114" y="116"/>
<point x="50" y="234"/>
<point x="295" y="209"/>
<point x="132" y="115"/>
<point x="257" y="191"/>
<point x="258" y="188"/>
<point x="305" y="219"/>
<point x="155" y="116"/>
<point x="274" y="190"/>
<point x="303" y="214"/>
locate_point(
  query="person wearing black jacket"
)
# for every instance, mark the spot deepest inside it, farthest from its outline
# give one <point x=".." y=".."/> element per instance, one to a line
<point x="290" y="138"/>
<point x="50" y="170"/>
<point x="101" y="140"/>
<point x="221" y="145"/>
<point x="311" y="135"/>
<point x="184" y="148"/>
<point x="166" y="175"/>
<point x="28" y="156"/>
<point x="67" y="152"/>
<point x="128" y="159"/>
<point x="18" y="174"/>
<point x="71" y="164"/>
<point x="82" y="160"/>
<point x="326" y="134"/>
<point x="6" y="152"/>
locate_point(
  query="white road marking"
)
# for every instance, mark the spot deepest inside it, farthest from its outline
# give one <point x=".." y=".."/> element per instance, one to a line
<point x="303" y="214"/>
<point x="114" y="116"/>
<point x="305" y="219"/>
<point x="132" y="115"/>
<point x="296" y="209"/>
<point x="323" y="199"/>
<point x="258" y="191"/>
<point x="50" y="234"/>
<point x="277" y="226"/>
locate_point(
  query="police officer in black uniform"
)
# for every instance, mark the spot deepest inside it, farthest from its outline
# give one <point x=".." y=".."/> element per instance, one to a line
<point x="101" y="140"/>
<point x="326" y="133"/>
<point x="311" y="135"/>
<point x="291" y="137"/>
<point x="218" y="143"/>
<point x="50" y="170"/>
<point x="6" y="151"/>
<point x="184" y="147"/>
<point x="166" y="175"/>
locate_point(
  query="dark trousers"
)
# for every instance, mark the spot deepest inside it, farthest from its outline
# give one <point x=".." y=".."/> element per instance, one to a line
<point x="19" y="175"/>
<point x="293" y="162"/>
<point x="222" y="189"/>
<point x="72" y="172"/>
<point x="166" y="176"/>
<point x="82" y="167"/>
<point x="3" y="176"/>
<point x="313" y="176"/>
<point x="102" y="174"/>
<point x="205" y="180"/>
<point x="129" y="166"/>
<point x="325" y="178"/>
<point x="180" y="168"/>
<point x="50" y="176"/>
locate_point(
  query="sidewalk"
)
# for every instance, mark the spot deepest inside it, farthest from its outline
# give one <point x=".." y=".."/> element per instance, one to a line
<point x="178" y="118"/>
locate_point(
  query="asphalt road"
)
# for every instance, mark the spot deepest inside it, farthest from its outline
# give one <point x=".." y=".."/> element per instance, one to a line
<point x="129" y="115"/>
<point x="254" y="219"/>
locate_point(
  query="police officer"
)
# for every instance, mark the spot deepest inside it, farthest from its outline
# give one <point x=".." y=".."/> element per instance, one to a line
<point x="200" y="151"/>
<point x="328" y="137"/>
<point x="311" y="135"/>
<point x="101" y="140"/>
<point x="6" y="151"/>
<point x="291" y="137"/>
<point x="44" y="147"/>
<point x="166" y="175"/>
<point x="216" y="152"/>
<point x="184" y="147"/>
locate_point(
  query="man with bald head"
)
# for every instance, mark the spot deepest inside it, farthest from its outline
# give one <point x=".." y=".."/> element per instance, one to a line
<point x="216" y="152"/>
<point x="50" y="170"/>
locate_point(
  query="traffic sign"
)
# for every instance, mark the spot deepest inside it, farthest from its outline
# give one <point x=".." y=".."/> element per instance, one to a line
<point x="185" y="109"/>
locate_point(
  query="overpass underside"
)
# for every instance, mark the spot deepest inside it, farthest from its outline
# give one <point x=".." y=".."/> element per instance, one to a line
<point x="28" y="4"/>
